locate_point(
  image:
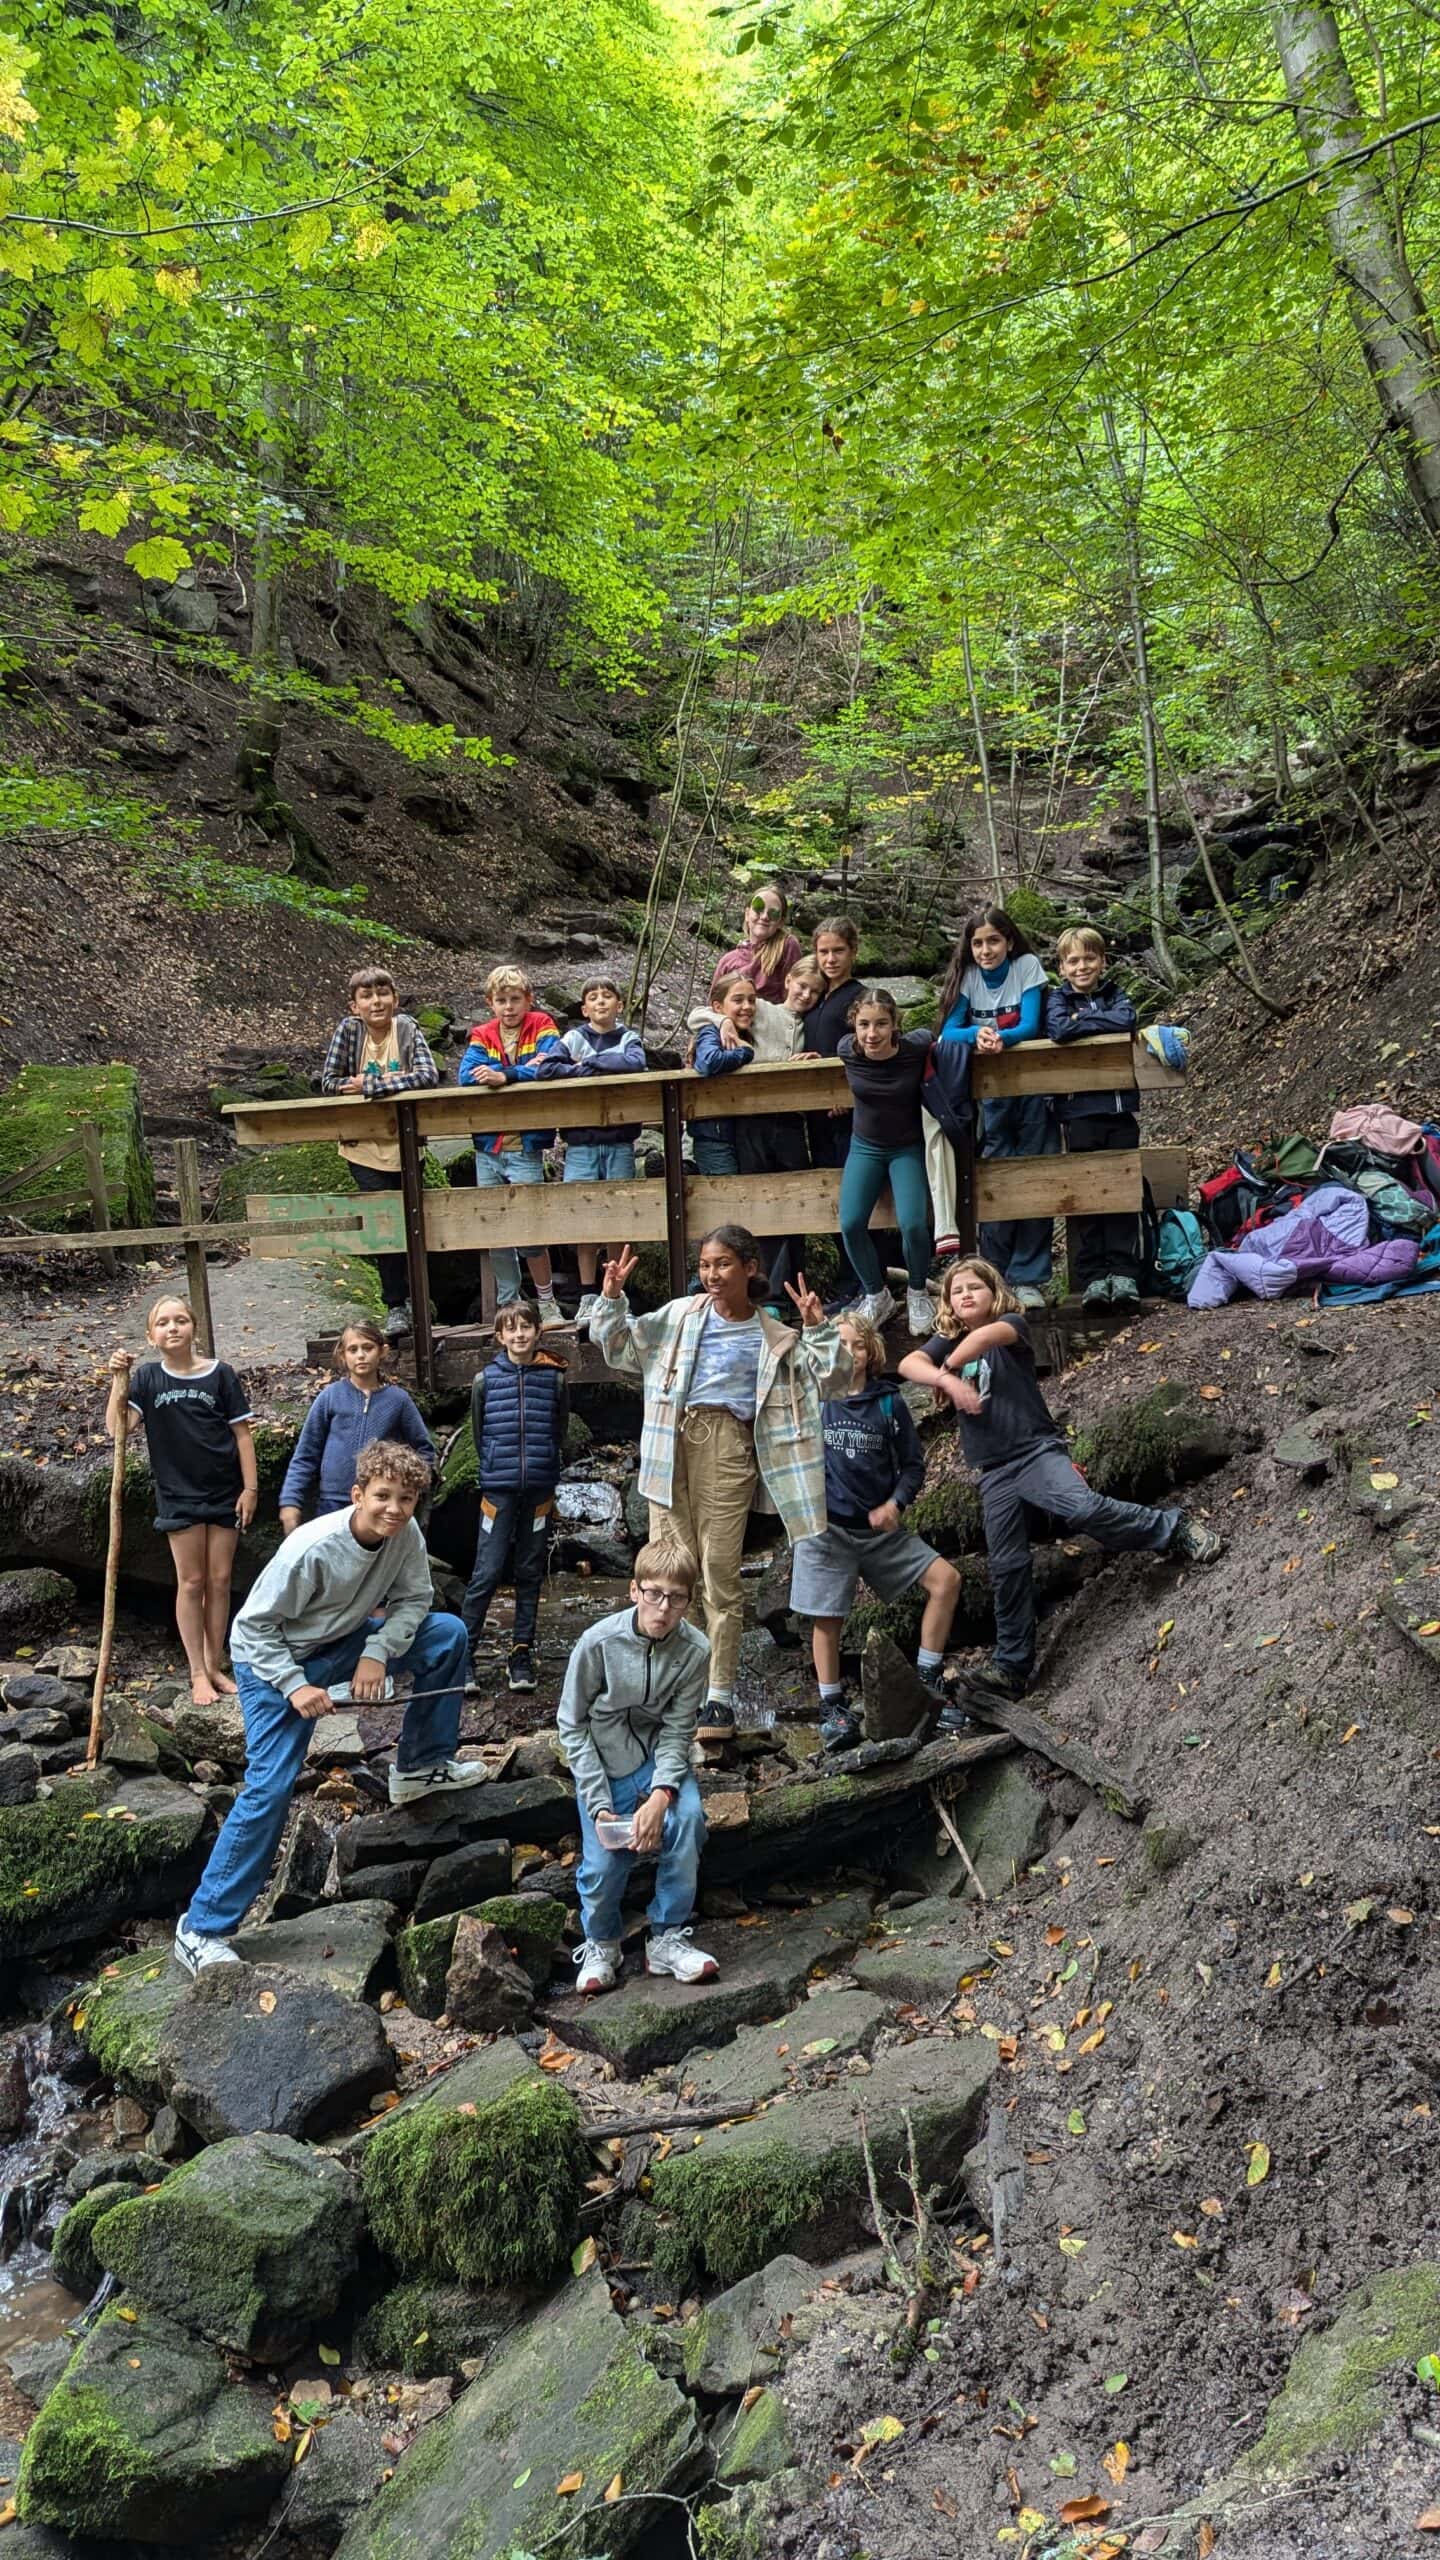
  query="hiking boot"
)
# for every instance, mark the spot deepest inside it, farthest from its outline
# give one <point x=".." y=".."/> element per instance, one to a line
<point x="955" y="1722"/>
<point x="441" y="1778"/>
<point x="717" y="1721"/>
<point x="1194" y="1543"/>
<point x="1098" y="1294"/>
<point x="919" y="1314"/>
<point x="553" y="1318"/>
<point x="1124" y="1292"/>
<point x="195" y="1954"/>
<point x="598" y="1964"/>
<point x="399" y="1323"/>
<point x="877" y="1307"/>
<point x="840" y="1725"/>
<point x="997" y="1680"/>
<point x="520" y="1668"/>
<point x="670" y="1951"/>
<point x="1032" y="1301"/>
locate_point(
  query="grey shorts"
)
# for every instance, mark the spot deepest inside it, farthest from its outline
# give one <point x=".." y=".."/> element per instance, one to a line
<point x="825" y="1570"/>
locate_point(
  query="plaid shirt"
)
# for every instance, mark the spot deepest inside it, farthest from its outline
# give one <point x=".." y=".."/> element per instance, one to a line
<point x="342" y="1058"/>
<point x="796" y="1371"/>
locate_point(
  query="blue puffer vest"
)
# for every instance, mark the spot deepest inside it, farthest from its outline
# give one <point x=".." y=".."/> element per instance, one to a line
<point x="521" y="1434"/>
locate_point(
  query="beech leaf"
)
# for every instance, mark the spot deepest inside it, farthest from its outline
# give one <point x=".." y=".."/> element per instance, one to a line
<point x="572" y="2481"/>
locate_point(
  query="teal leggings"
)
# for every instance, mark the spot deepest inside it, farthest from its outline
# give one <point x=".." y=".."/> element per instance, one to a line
<point x="867" y="1170"/>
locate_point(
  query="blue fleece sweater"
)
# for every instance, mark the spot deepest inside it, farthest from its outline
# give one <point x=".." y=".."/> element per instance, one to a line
<point x="872" y="1454"/>
<point x="1071" y="1016"/>
<point x="339" y="1424"/>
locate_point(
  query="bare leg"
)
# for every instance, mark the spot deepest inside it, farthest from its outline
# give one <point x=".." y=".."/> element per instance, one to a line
<point x="187" y="1547"/>
<point x="538" y="1266"/>
<point x="825" y="1650"/>
<point x="941" y="1586"/>
<point x="588" y="1257"/>
<point x="219" y="1558"/>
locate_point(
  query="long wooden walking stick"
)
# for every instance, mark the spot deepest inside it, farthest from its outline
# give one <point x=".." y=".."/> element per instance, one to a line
<point x="112" y="1584"/>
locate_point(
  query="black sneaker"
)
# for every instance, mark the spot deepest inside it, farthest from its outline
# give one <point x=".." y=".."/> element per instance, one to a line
<point x="520" y="1669"/>
<point x="717" y="1721"/>
<point x="840" y="1725"/>
<point x="997" y="1680"/>
<point x="1194" y="1543"/>
<point x="954" y="1722"/>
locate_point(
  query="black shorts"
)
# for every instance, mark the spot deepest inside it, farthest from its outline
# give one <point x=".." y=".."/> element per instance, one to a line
<point x="214" y="1512"/>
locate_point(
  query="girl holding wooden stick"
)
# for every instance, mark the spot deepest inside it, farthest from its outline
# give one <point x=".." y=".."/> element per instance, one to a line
<point x="202" y="1457"/>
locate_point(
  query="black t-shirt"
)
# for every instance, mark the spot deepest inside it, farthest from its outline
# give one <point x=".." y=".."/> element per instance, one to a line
<point x="887" y="1090"/>
<point x="189" y="1432"/>
<point x="827" y="1022"/>
<point x="1014" y="1419"/>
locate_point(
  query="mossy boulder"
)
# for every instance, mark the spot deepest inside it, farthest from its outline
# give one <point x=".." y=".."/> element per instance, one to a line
<point x="756" y="2443"/>
<point x="35" y="1603"/>
<point x="1332" y="2400"/>
<point x="275" y="1080"/>
<point x="250" y="2243"/>
<point x="121" y="2016"/>
<point x="73" y="2262"/>
<point x="532" y="1924"/>
<point x="569" y="2394"/>
<point x="101" y="1849"/>
<point x="794" y="2179"/>
<point x="427" y="2328"/>
<point x="311" y="1169"/>
<point x="144" y="2436"/>
<point x="489" y="2196"/>
<point x="1151" y="1443"/>
<point x="46" y="1107"/>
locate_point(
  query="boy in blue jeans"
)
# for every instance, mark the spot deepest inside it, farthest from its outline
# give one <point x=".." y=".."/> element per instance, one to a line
<point x="601" y="1045"/>
<point x="309" y="1623"/>
<point x="632" y="1697"/>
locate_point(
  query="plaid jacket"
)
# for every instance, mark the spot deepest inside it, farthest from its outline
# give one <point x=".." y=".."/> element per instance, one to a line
<point x="796" y="1371"/>
<point x="342" y="1058"/>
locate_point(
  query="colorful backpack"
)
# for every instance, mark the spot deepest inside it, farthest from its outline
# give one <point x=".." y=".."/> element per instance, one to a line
<point x="1176" y="1252"/>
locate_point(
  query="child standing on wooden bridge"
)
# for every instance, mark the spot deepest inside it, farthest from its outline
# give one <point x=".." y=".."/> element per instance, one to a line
<point x="377" y="1051"/>
<point x="980" y="1360"/>
<point x="202" y="1459"/>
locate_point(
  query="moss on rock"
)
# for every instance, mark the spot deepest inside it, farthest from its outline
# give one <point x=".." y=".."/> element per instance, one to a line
<point x="489" y="2198"/>
<point x="1331" y="2400"/>
<point x="310" y="1169"/>
<point x="121" y="2016"/>
<point x="727" y="2216"/>
<point x="1143" y="1447"/>
<point x="46" y="1107"/>
<point x="428" y="2328"/>
<point x="67" y="1871"/>
<point x="72" y="2256"/>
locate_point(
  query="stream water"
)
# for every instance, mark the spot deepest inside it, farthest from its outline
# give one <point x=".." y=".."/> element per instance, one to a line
<point x="56" y="2129"/>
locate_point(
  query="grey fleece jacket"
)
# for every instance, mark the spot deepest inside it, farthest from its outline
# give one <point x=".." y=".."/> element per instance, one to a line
<point x="625" y="1698"/>
<point x="320" y="1585"/>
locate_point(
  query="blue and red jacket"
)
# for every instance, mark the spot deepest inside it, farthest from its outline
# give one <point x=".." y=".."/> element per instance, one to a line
<point x="539" y="1053"/>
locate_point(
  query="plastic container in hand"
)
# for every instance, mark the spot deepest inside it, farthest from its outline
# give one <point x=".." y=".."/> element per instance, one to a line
<point x="615" y="1831"/>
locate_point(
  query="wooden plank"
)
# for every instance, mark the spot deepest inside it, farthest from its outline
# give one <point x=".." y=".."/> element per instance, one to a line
<point x="1056" y="1186"/>
<point x="52" y="1201"/>
<point x="187" y="1192"/>
<point x="124" y="1236"/>
<point x="468" y="1221"/>
<point x="43" y="1164"/>
<point x="288" y="1221"/>
<point x="92" y="1156"/>
<point x="417" y="1271"/>
<point x="1167" y="1170"/>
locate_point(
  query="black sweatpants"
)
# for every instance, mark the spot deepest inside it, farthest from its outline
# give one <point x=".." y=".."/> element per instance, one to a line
<point x="394" y="1276"/>
<point x="514" y="1537"/>
<point x="1051" y="1481"/>
<point x="1108" y="1247"/>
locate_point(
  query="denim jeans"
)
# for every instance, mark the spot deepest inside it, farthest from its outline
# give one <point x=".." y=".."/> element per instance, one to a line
<point x="605" y="1160"/>
<point x="714" y="1145"/>
<point x="1021" y="1249"/>
<point x="491" y="1173"/>
<point x="277" y="1740"/>
<point x="514" y="1534"/>
<point x="604" y="1873"/>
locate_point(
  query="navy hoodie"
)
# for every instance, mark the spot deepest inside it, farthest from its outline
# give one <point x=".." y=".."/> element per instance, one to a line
<point x="872" y="1453"/>
<point x="1071" y="1016"/>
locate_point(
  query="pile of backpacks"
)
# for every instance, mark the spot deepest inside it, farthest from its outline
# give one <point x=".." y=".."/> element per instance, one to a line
<point x="1350" y="1220"/>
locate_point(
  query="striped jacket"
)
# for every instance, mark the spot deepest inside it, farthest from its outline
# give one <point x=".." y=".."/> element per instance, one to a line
<point x="796" y="1371"/>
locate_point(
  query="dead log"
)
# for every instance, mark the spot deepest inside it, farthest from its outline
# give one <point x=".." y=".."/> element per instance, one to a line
<point x="1033" y="1734"/>
<point x="811" y="1822"/>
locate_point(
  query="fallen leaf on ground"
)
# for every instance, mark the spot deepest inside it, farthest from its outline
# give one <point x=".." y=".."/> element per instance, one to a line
<point x="1212" y="2206"/>
<point x="328" y="2355"/>
<point x="1259" y="2169"/>
<point x="615" y="2490"/>
<point x="267" y="2002"/>
<point x="1428" y="2523"/>
<point x="1117" y="2461"/>
<point x="1205" y="2539"/>
<point x="572" y="2481"/>
<point x="882" y="2430"/>
<point x="583" y="2256"/>
<point x="1084" y="2510"/>
<point x="553" y="2055"/>
<point x="1184" y="2239"/>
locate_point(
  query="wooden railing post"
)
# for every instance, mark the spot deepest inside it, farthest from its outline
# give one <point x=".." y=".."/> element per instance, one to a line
<point x="93" y="1157"/>
<point x="197" y="1270"/>
<point x="674" y="1129"/>
<point x="417" y="1260"/>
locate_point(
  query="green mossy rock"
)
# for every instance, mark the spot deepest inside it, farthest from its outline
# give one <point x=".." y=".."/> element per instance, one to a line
<point x="250" y="2243"/>
<point x="121" y="2016"/>
<point x="66" y="1879"/>
<point x="428" y="2328"/>
<point x="310" y="1169"/>
<point x="144" y="2435"/>
<point x="756" y="2444"/>
<point x="479" y="2079"/>
<point x="276" y="1081"/>
<point x="794" y="2179"/>
<point x="422" y="1957"/>
<point x="488" y="2197"/>
<point x="533" y="1926"/>
<point x="570" y="2392"/>
<point x="46" y="1106"/>
<point x="1143" y="1447"/>
<point x="35" y="1604"/>
<point x="73" y="2262"/>
<point x="1331" y="2400"/>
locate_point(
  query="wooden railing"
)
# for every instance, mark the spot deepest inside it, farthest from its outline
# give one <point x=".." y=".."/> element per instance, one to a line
<point x="419" y="1221"/>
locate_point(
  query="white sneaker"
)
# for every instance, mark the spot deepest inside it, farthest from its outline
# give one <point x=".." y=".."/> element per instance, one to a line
<point x="583" y="1313"/>
<point x="196" y="1954"/>
<point x="442" y="1778"/>
<point x="598" y="1962"/>
<point x="879" y="1307"/>
<point x="670" y="1951"/>
<point x="552" y="1318"/>
<point x="920" y="1313"/>
<point x="1032" y="1300"/>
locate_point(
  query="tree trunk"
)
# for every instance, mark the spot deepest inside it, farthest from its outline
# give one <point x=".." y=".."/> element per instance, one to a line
<point x="261" y="733"/>
<point x="1144" y="693"/>
<point x="983" y="755"/>
<point x="1385" y="300"/>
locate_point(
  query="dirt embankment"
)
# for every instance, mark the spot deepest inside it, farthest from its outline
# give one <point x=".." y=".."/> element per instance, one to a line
<point x="1258" y="1965"/>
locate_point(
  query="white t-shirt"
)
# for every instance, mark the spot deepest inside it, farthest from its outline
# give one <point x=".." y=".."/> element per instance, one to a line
<point x="1001" y="1005"/>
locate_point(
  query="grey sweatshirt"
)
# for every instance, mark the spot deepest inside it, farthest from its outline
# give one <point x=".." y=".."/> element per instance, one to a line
<point x="625" y="1698"/>
<point x="320" y="1585"/>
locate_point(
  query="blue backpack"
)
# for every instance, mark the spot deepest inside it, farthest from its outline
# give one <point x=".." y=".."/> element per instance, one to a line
<point x="1177" y="1249"/>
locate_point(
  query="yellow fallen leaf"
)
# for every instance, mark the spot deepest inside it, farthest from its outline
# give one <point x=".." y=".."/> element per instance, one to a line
<point x="1384" y="1482"/>
<point x="1117" y="2461"/>
<point x="1274" y="1978"/>
<point x="1212" y="2206"/>
<point x="1430" y="1628"/>
<point x="572" y="2481"/>
<point x="1211" y="1395"/>
<point x="1349" y="1733"/>
<point x="1093" y="2043"/>
<point x="1030" y="2520"/>
<point x="1259" y="2169"/>
<point x="616" y="2489"/>
<point x="125" y="2313"/>
<point x="7" y="2512"/>
<point x="1184" y="2239"/>
<point x="303" y="2443"/>
<point x="328" y="2355"/>
<point x="882" y="2430"/>
<point x="267" y="2002"/>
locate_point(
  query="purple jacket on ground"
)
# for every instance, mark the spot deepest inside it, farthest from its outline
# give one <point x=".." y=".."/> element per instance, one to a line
<point x="1323" y="1240"/>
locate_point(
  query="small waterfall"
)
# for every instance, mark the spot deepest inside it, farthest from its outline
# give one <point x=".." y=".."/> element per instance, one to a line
<point x="28" y="2172"/>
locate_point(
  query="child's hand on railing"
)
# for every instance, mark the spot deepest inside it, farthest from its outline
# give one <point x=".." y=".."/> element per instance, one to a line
<point x="617" y="1273"/>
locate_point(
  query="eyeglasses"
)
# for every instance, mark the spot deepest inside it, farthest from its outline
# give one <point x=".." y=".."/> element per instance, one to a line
<point x="659" y="1599"/>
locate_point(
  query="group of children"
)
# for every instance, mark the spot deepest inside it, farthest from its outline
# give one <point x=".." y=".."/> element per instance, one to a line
<point x="744" y="1408"/>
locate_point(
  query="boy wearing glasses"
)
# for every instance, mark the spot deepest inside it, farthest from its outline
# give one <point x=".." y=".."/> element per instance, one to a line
<point x="632" y="1697"/>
